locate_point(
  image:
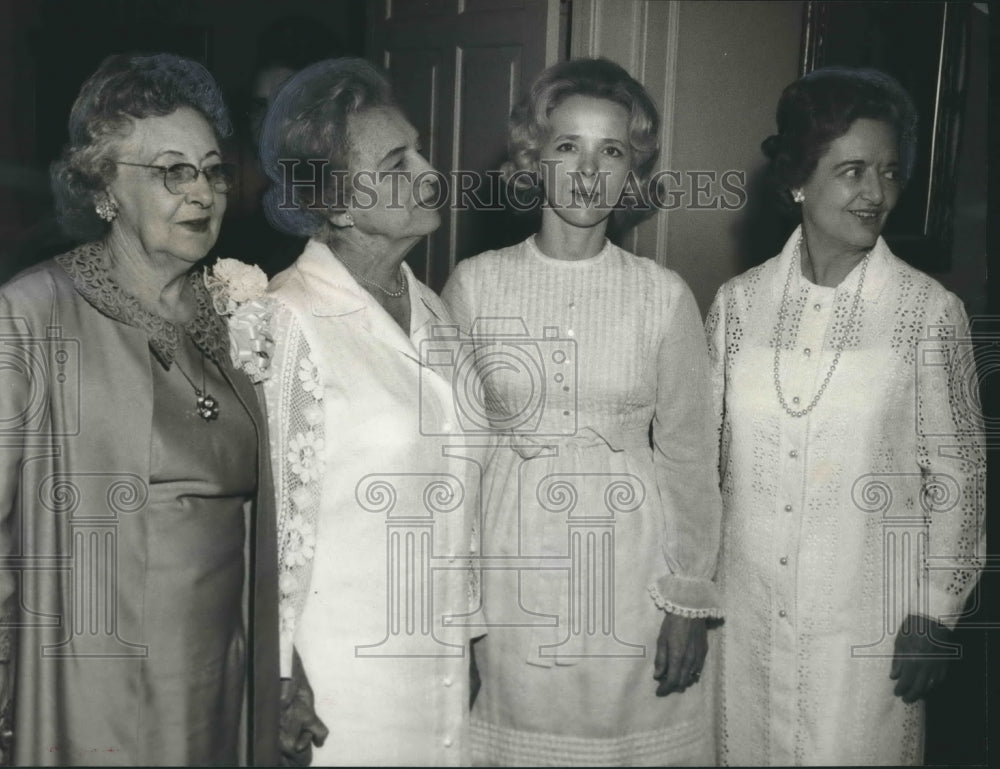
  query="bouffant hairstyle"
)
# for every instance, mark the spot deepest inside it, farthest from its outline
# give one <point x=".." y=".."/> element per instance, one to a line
<point x="821" y="107"/>
<point x="598" y="78"/>
<point x="125" y="87"/>
<point x="304" y="144"/>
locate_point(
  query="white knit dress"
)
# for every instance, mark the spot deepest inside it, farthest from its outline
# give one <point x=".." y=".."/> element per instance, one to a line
<point x="589" y="531"/>
<point x="841" y="522"/>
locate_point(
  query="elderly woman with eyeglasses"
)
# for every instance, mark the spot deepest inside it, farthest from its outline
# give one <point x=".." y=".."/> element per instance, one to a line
<point x="130" y="454"/>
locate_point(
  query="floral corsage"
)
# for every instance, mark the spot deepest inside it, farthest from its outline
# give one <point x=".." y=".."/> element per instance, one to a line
<point x="237" y="291"/>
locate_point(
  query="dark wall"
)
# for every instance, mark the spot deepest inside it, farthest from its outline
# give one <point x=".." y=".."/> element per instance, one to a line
<point x="48" y="48"/>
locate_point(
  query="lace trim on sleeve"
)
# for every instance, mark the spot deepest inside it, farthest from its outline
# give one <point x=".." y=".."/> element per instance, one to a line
<point x="295" y="414"/>
<point x="693" y="598"/>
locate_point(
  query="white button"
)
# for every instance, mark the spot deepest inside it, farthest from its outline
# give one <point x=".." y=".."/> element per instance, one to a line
<point x="448" y="681"/>
<point x="472" y="547"/>
<point x="446" y="427"/>
<point x="817" y="307"/>
<point x="807" y="351"/>
<point x="788" y="508"/>
<point x="447" y="742"/>
<point x="782" y="613"/>
<point x="570" y="333"/>
<point x="793" y="453"/>
<point x="783" y="560"/>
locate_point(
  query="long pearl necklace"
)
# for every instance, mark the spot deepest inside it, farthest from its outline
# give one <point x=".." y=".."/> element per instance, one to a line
<point x="780" y="331"/>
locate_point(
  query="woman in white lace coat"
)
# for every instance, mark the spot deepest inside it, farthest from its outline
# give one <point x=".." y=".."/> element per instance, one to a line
<point x="851" y="462"/>
<point x="374" y="538"/>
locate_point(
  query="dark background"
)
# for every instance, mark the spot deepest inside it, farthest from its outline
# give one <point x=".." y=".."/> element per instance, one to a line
<point x="47" y="49"/>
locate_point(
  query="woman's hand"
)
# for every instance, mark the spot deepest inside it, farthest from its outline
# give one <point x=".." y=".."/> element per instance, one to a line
<point x="680" y="653"/>
<point x="919" y="665"/>
<point x="300" y="727"/>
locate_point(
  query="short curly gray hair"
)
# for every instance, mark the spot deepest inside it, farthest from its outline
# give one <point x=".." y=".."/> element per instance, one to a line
<point x="307" y="124"/>
<point x="124" y="88"/>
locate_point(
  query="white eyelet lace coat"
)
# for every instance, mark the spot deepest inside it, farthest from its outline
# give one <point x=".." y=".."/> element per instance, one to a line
<point x="839" y="523"/>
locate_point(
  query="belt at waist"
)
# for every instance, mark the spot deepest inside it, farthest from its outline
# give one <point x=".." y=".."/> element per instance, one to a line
<point x="530" y="446"/>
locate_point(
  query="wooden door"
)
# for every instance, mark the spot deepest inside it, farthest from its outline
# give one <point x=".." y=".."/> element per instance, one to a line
<point x="457" y="66"/>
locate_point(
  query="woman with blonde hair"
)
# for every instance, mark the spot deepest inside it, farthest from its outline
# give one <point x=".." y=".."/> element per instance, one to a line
<point x="601" y="502"/>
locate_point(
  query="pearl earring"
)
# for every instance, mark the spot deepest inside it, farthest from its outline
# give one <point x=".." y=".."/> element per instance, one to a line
<point x="798" y="196"/>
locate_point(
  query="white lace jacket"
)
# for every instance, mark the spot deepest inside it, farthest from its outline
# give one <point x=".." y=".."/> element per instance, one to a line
<point x="839" y="523"/>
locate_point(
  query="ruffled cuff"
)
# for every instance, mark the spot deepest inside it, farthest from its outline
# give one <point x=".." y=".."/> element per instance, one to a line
<point x="695" y="598"/>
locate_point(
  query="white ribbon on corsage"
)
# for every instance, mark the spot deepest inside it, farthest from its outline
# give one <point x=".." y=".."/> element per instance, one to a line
<point x="238" y="294"/>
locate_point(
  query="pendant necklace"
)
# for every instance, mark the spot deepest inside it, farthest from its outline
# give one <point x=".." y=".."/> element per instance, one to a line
<point x="207" y="406"/>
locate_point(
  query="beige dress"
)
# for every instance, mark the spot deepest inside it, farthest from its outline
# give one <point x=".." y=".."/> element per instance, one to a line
<point x="125" y="516"/>
<point x="590" y="530"/>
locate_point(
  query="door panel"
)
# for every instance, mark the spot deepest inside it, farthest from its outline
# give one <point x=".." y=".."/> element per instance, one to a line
<point x="456" y="68"/>
<point x="489" y="81"/>
<point x="417" y="76"/>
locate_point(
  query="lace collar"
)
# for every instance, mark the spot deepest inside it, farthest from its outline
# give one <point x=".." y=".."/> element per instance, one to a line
<point x="90" y="269"/>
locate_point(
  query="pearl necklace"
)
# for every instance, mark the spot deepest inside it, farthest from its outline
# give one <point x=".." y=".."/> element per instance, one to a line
<point x="394" y="294"/>
<point x="779" y="332"/>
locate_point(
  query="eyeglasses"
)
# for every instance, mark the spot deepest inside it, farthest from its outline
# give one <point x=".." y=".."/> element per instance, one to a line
<point x="181" y="177"/>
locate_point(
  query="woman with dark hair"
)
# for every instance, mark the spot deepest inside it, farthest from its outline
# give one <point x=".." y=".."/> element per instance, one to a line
<point x="130" y="453"/>
<point x="373" y="531"/>
<point x="852" y="465"/>
<point x="599" y="545"/>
